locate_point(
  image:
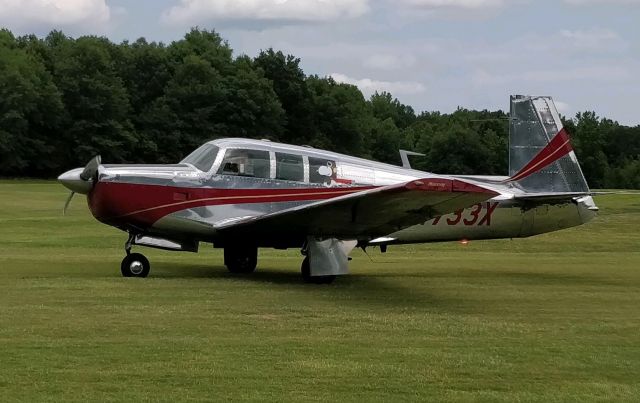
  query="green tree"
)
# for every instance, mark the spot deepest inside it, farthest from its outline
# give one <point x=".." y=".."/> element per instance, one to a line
<point x="201" y="104"/>
<point x="458" y="150"/>
<point x="207" y="45"/>
<point x="63" y="100"/>
<point x="145" y="71"/>
<point x="625" y="175"/>
<point x="289" y="83"/>
<point x="97" y="103"/>
<point x="189" y="113"/>
<point x="251" y="107"/>
<point x="385" y="106"/>
<point x="342" y="116"/>
<point x="385" y="141"/>
<point x="29" y="108"/>
<point x="588" y="141"/>
<point x="419" y="137"/>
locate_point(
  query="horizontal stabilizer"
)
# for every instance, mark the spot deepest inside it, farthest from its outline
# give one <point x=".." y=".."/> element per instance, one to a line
<point x="551" y="197"/>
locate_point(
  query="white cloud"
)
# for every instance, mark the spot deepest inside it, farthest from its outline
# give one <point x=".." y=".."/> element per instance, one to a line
<point x="480" y="4"/>
<point x="562" y="107"/>
<point x="590" y="74"/>
<point x="34" y="14"/>
<point x="193" y="11"/>
<point x="590" y="39"/>
<point x="607" y="2"/>
<point x="470" y="4"/>
<point x="596" y="41"/>
<point x="369" y="86"/>
<point x="385" y="61"/>
<point x="450" y="10"/>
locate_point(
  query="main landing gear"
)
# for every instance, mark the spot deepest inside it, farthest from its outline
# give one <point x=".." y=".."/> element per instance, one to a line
<point x="305" y="270"/>
<point x="134" y="264"/>
<point x="241" y="259"/>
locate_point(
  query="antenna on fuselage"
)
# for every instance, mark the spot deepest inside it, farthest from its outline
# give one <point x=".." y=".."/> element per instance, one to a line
<point x="404" y="156"/>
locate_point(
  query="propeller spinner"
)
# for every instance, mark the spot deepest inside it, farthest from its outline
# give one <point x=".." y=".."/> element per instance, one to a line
<point x="80" y="180"/>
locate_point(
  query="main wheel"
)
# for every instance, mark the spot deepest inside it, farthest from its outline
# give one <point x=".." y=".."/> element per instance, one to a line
<point x="241" y="260"/>
<point x="135" y="265"/>
<point x="305" y="269"/>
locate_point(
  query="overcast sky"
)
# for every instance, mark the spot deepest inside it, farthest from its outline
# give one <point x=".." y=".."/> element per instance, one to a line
<point x="431" y="54"/>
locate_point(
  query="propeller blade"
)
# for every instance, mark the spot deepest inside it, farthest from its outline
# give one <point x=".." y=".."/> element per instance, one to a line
<point x="91" y="168"/>
<point x="66" y="204"/>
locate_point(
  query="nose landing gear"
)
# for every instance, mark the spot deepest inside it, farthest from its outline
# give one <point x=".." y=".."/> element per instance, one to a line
<point x="134" y="264"/>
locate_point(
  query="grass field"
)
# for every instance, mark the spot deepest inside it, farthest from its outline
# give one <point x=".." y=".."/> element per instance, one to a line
<point x="551" y="318"/>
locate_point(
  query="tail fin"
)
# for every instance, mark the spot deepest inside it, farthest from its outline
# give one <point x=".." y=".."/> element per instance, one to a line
<point x="541" y="158"/>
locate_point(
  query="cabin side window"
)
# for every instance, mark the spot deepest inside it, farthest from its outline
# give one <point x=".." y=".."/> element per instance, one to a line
<point x="241" y="162"/>
<point x="289" y="167"/>
<point x="321" y="170"/>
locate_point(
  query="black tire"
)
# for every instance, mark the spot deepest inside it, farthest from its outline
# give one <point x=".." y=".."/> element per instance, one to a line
<point x="241" y="260"/>
<point x="135" y="265"/>
<point x="305" y="269"/>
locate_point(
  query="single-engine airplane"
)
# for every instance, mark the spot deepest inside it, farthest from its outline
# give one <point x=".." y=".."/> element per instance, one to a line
<point x="242" y="195"/>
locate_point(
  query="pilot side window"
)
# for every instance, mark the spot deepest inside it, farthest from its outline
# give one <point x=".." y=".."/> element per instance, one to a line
<point x="254" y="163"/>
<point x="289" y="167"/>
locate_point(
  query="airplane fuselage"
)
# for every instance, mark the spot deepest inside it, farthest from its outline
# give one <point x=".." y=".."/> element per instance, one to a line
<point x="182" y="202"/>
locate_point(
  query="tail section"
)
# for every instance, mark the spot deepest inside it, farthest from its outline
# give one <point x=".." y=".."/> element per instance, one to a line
<point x="541" y="158"/>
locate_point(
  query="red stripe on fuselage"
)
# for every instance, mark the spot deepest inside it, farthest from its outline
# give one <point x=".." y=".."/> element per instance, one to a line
<point x="142" y="205"/>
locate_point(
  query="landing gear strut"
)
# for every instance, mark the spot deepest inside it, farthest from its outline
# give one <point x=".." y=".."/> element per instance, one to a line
<point x="305" y="269"/>
<point x="134" y="264"/>
<point x="241" y="259"/>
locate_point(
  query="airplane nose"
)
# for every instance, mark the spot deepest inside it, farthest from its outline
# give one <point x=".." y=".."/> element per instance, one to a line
<point x="72" y="181"/>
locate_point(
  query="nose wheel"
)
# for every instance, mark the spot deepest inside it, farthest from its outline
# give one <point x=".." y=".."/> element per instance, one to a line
<point x="135" y="265"/>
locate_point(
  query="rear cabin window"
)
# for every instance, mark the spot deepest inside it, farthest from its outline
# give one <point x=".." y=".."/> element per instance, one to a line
<point x="321" y="170"/>
<point x="289" y="167"/>
<point x="253" y="163"/>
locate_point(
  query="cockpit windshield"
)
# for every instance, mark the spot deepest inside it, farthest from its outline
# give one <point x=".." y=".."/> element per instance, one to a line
<point x="203" y="157"/>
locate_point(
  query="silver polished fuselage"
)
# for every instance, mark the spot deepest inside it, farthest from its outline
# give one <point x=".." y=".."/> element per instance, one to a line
<point x="181" y="202"/>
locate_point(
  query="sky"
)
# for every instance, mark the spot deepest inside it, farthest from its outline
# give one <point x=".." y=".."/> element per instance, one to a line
<point x="435" y="55"/>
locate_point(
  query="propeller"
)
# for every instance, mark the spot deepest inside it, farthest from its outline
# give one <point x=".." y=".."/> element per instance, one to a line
<point x="66" y="204"/>
<point x="91" y="168"/>
<point x="80" y="180"/>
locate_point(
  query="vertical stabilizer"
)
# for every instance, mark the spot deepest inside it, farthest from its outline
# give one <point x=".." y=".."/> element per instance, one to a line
<point x="541" y="158"/>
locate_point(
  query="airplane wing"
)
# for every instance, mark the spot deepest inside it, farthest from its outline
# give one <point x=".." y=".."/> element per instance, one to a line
<point x="367" y="214"/>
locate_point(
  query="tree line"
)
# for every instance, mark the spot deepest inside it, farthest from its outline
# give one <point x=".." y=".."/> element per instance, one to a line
<point x="64" y="100"/>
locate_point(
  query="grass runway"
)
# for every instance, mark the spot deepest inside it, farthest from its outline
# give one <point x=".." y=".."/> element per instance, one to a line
<point x="550" y="318"/>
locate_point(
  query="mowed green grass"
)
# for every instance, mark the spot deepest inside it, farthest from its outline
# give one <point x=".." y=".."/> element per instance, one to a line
<point x="551" y="318"/>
